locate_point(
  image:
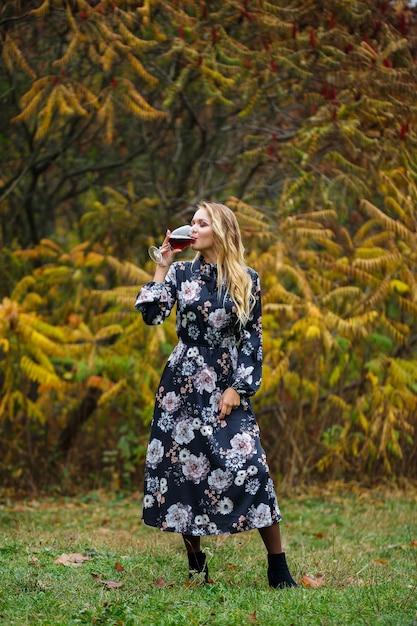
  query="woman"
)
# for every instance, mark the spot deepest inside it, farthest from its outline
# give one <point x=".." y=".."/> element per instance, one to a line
<point x="206" y="472"/>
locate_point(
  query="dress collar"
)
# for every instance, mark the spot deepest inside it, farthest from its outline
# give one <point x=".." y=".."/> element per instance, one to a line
<point x="208" y="272"/>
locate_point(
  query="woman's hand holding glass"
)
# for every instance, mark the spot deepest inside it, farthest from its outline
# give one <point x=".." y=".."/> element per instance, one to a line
<point x="174" y="242"/>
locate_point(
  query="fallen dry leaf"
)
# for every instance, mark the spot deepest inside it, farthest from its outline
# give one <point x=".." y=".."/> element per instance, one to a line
<point x="33" y="560"/>
<point x="358" y="582"/>
<point x="43" y="585"/>
<point x="74" y="559"/>
<point x="110" y="584"/>
<point x="119" y="567"/>
<point x="252" y="617"/>
<point x="380" y="562"/>
<point x="413" y="543"/>
<point x="312" y="582"/>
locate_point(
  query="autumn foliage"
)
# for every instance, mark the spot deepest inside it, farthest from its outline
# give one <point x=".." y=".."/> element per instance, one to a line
<point x="117" y="117"/>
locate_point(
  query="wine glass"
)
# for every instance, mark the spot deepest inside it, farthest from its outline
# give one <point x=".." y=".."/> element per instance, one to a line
<point x="179" y="239"/>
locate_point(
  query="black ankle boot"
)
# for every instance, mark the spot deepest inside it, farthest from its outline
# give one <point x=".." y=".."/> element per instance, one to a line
<point x="279" y="576"/>
<point x="197" y="562"/>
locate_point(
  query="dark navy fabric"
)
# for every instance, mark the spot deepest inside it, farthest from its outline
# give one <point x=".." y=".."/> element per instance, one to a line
<point x="205" y="475"/>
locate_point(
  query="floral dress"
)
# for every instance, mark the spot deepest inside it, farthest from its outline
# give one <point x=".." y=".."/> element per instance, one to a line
<point x="205" y="475"/>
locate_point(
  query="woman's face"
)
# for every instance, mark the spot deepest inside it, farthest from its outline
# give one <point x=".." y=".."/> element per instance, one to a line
<point x="202" y="232"/>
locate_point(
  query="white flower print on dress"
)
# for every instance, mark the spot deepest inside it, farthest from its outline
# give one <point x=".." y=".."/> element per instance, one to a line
<point x="183" y="431"/>
<point x="155" y="453"/>
<point x="212" y="336"/>
<point x="196" y="468"/>
<point x="178" y="517"/>
<point x="171" y="402"/>
<point x="244" y="444"/>
<point x="206" y="430"/>
<point x="225" y="506"/>
<point x="260" y="516"/>
<point x="152" y="484"/>
<point x="148" y="501"/>
<point x="245" y="373"/>
<point x="193" y="332"/>
<point x="187" y="368"/>
<point x="252" y="486"/>
<point x="184" y="455"/>
<point x="240" y="478"/>
<point x="218" y="318"/>
<point x="220" y="480"/>
<point x="205" y="380"/>
<point x="207" y="414"/>
<point x="212" y="528"/>
<point x="165" y="422"/>
<point x="189" y="292"/>
<point x="234" y="460"/>
<point x="214" y="401"/>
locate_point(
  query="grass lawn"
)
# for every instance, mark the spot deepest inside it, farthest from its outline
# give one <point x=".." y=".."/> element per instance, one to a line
<point x="359" y="547"/>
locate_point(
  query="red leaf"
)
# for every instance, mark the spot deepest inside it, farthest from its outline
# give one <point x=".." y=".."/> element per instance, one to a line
<point x="403" y="24"/>
<point x="119" y="567"/>
<point x="312" y="38"/>
<point x="404" y="131"/>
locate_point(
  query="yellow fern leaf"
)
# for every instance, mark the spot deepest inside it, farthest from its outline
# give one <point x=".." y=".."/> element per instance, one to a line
<point x="108" y="58"/>
<point x="141" y="71"/>
<point x="394" y="226"/>
<point x="71" y="97"/>
<point x="45" y="117"/>
<point x="112" y="393"/>
<point x="141" y="45"/>
<point x="141" y="112"/>
<point x="42" y="10"/>
<point x="39" y="374"/>
<point x="250" y="106"/>
<point x="72" y="48"/>
<point x="14" y="53"/>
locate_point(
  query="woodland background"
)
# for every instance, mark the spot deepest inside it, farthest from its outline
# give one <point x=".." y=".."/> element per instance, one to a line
<point x="117" y="117"/>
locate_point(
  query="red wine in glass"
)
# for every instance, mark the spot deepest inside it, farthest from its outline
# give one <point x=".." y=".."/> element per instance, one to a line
<point x="178" y="239"/>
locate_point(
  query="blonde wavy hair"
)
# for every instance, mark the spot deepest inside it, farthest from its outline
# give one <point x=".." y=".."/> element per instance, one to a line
<point x="231" y="266"/>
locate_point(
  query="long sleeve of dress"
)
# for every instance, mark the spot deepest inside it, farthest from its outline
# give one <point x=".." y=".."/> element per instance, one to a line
<point x="156" y="300"/>
<point x="248" y="373"/>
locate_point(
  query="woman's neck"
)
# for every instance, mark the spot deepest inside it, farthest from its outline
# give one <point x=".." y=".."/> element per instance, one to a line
<point x="210" y="257"/>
